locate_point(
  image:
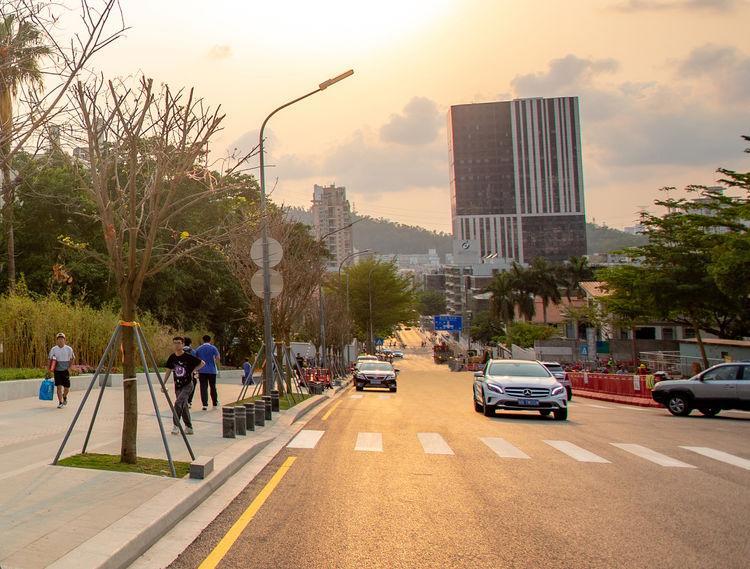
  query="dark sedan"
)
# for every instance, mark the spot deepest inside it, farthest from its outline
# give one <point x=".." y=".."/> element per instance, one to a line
<point x="375" y="374"/>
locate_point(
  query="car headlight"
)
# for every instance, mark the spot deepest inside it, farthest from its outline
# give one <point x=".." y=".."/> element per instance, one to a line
<point x="558" y="389"/>
<point x="495" y="388"/>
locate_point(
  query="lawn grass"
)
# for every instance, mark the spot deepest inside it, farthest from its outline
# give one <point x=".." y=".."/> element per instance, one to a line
<point x="11" y="373"/>
<point x="111" y="462"/>
<point x="283" y="403"/>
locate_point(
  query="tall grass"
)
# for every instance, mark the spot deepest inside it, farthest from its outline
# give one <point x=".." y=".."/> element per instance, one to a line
<point x="28" y="327"/>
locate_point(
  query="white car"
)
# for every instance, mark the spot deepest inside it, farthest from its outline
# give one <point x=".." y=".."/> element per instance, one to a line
<point x="519" y="385"/>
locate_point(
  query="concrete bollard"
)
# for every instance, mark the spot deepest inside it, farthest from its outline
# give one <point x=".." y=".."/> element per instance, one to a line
<point x="275" y="401"/>
<point x="249" y="416"/>
<point x="267" y="402"/>
<point x="227" y="422"/>
<point x="260" y="413"/>
<point x="239" y="421"/>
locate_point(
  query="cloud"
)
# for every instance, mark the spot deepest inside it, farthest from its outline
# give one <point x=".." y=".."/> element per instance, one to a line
<point x="220" y="52"/>
<point x="563" y="75"/>
<point x="419" y="123"/>
<point x="725" y="67"/>
<point x="690" y="5"/>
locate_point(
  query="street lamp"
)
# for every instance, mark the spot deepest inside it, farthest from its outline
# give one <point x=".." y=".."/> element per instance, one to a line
<point x="266" y="267"/>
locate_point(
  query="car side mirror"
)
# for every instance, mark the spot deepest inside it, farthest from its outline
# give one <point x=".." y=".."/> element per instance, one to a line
<point x="478" y="374"/>
<point x="397" y="370"/>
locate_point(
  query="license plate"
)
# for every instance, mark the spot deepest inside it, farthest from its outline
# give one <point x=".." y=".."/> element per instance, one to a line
<point x="375" y="381"/>
<point x="528" y="402"/>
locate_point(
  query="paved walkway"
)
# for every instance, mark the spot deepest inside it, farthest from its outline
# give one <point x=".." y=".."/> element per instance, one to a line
<point x="45" y="511"/>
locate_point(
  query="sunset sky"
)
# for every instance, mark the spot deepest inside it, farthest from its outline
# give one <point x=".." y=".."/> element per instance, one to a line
<point x="664" y="87"/>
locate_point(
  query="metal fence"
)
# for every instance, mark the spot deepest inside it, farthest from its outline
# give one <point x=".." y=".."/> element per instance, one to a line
<point x="673" y="363"/>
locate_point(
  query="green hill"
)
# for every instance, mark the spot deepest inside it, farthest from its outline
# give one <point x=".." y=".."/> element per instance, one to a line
<point x="390" y="237"/>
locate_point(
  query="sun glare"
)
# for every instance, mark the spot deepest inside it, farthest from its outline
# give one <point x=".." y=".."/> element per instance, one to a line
<point x="351" y="25"/>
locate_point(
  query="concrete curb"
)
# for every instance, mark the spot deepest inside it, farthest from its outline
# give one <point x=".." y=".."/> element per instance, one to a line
<point x="625" y="400"/>
<point x="128" y="538"/>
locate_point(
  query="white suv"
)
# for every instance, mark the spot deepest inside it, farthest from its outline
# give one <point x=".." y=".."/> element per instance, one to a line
<point x="519" y="385"/>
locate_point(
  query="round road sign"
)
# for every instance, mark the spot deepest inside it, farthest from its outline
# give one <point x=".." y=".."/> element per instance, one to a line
<point x="275" y="252"/>
<point x="277" y="283"/>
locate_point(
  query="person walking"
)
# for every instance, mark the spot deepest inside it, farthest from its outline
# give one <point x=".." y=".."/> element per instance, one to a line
<point x="182" y="365"/>
<point x="247" y="372"/>
<point x="188" y="349"/>
<point x="61" y="357"/>
<point x="207" y="378"/>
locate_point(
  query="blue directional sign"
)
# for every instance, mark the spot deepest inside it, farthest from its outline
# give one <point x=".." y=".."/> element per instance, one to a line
<point x="584" y="350"/>
<point x="448" y="323"/>
<point x="379" y="341"/>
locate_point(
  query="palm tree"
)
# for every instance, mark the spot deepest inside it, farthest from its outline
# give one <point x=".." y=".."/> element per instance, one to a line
<point x="545" y="283"/>
<point x="503" y="301"/>
<point x="523" y="284"/>
<point x="576" y="271"/>
<point x="21" y="49"/>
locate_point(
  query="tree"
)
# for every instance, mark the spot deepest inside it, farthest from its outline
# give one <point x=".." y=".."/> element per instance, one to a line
<point x="431" y="302"/>
<point x="573" y="273"/>
<point x="29" y="34"/>
<point x="524" y="334"/>
<point x="379" y="298"/>
<point x="523" y="283"/>
<point x="485" y="328"/>
<point x="502" y="299"/>
<point x="147" y="171"/>
<point x="544" y="283"/>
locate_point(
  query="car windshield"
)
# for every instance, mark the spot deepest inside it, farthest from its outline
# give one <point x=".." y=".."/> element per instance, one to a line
<point x="376" y="366"/>
<point x="530" y="369"/>
<point x="554" y="367"/>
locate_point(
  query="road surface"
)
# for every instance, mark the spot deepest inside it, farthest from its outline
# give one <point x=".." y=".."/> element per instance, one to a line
<point x="418" y="479"/>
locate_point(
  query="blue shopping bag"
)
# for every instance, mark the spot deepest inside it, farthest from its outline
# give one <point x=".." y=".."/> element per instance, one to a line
<point x="47" y="390"/>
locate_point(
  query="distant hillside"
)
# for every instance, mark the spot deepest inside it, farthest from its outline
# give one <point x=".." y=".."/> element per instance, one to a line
<point x="387" y="236"/>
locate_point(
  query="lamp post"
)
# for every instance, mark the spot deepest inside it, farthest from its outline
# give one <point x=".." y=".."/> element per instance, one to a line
<point x="341" y="264"/>
<point x="266" y="267"/>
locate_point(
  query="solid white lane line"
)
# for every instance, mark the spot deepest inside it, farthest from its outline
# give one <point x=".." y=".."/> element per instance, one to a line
<point x="369" y="442"/>
<point x="576" y="452"/>
<point x="721" y="456"/>
<point x="597" y="406"/>
<point x="357" y="396"/>
<point x="632" y="407"/>
<point x="652" y="455"/>
<point x="503" y="448"/>
<point x="306" y="439"/>
<point x="433" y="443"/>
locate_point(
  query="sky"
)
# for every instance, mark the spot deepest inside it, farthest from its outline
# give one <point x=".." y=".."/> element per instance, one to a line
<point x="664" y="88"/>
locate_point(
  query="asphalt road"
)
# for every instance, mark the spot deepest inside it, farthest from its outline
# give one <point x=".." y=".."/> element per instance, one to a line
<point x="537" y="505"/>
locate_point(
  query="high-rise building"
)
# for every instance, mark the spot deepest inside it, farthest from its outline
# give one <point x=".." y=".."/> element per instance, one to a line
<point x="517" y="178"/>
<point x="331" y="216"/>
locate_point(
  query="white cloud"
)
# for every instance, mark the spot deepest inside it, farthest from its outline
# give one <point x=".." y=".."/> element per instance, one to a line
<point x="419" y="123"/>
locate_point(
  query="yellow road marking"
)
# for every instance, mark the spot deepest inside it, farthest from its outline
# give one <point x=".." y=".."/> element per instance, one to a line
<point x="215" y="557"/>
<point x="331" y="410"/>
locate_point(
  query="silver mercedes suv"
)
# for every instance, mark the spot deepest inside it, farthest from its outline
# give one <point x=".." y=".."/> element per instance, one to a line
<point x="724" y="386"/>
<point x="519" y="385"/>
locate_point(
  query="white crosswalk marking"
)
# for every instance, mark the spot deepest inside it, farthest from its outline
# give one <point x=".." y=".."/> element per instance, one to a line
<point x="369" y="442"/>
<point x="433" y="443"/>
<point x="306" y="439"/>
<point x="721" y="456"/>
<point x="356" y="396"/>
<point x="503" y="448"/>
<point x="652" y="455"/>
<point x="576" y="452"/>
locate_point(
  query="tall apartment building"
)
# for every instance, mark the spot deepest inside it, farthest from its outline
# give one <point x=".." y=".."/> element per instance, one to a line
<point x="517" y="179"/>
<point x="331" y="215"/>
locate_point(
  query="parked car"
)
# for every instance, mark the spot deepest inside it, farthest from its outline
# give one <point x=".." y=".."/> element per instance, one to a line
<point x="560" y="375"/>
<point x="375" y="374"/>
<point x="398" y="354"/>
<point x="724" y="386"/>
<point x="365" y="358"/>
<point x="519" y="385"/>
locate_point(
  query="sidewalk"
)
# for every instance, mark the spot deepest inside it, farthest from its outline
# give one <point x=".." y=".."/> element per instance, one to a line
<point x="48" y="511"/>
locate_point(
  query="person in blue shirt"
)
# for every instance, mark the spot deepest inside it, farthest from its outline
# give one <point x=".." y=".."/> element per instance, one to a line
<point x="247" y="369"/>
<point x="207" y="376"/>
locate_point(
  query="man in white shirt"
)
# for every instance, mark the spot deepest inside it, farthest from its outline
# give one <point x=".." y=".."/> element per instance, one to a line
<point x="61" y="357"/>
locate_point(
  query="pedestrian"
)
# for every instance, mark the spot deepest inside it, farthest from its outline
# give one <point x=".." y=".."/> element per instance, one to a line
<point x="247" y="372"/>
<point x="207" y="378"/>
<point x="300" y="360"/>
<point x="188" y="349"/>
<point x="61" y="357"/>
<point x="182" y="365"/>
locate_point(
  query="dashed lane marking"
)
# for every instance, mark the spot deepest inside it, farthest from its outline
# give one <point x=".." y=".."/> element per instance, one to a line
<point x="503" y="448"/>
<point x="652" y="456"/>
<point x="369" y="442"/>
<point x="433" y="443"/>
<point x="575" y="452"/>
<point x="721" y="456"/>
<point x="331" y="410"/>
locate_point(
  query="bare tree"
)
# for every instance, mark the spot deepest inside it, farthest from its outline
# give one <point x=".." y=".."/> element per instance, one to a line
<point x="148" y="173"/>
<point x="39" y="63"/>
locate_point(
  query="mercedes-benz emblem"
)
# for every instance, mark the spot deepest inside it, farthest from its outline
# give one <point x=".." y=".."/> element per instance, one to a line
<point x="527" y="392"/>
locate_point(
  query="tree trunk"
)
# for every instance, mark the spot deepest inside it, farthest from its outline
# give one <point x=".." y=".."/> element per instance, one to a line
<point x="128" y="450"/>
<point x="701" y="345"/>
<point x="634" y="345"/>
<point x="544" y="311"/>
<point x="8" y="190"/>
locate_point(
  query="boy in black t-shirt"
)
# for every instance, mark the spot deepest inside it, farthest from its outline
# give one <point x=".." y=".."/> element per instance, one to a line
<point x="182" y="365"/>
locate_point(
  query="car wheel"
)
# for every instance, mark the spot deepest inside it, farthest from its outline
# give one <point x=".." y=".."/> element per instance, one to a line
<point x="545" y="412"/>
<point x="489" y="410"/>
<point x="561" y="415"/>
<point x="477" y="406"/>
<point x="393" y="390"/>
<point x="570" y="393"/>
<point x="360" y="388"/>
<point x="710" y="412"/>
<point x="679" y="405"/>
